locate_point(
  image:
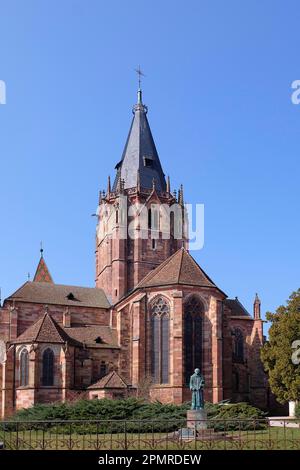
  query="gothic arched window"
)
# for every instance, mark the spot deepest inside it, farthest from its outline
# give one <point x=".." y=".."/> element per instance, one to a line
<point x="153" y="217"/>
<point x="103" y="369"/>
<point x="149" y="218"/>
<point x="160" y="337"/>
<point x="48" y="367"/>
<point x="193" y="313"/>
<point x="24" y="368"/>
<point x="238" y="348"/>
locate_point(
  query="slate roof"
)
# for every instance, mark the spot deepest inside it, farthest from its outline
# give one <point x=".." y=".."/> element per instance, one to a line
<point x="140" y="154"/>
<point x="58" y="294"/>
<point x="107" y="338"/>
<point x="237" y="309"/>
<point x="45" y="330"/>
<point x="179" y="268"/>
<point x="111" y="380"/>
<point x="42" y="273"/>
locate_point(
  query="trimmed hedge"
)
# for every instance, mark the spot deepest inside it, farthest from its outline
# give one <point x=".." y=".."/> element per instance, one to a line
<point x="133" y="415"/>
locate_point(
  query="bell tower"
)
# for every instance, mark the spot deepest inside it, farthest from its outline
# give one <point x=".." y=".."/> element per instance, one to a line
<point x="140" y="222"/>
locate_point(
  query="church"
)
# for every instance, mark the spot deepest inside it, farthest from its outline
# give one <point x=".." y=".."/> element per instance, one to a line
<point x="153" y="316"/>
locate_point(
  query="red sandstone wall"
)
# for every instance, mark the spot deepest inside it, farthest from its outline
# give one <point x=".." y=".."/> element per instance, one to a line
<point x="28" y="313"/>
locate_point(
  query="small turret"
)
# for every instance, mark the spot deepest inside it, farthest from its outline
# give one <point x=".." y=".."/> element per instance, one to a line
<point x="42" y="273"/>
<point x="256" y="307"/>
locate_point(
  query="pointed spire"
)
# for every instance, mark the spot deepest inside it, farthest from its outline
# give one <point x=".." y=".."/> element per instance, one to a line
<point x="168" y="189"/>
<point x="42" y="273"/>
<point x="140" y="154"/>
<point x="256" y="307"/>
<point x="180" y="195"/>
<point x="108" y="186"/>
<point x="181" y="192"/>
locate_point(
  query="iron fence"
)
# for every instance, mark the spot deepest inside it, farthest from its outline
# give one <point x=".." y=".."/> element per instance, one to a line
<point x="156" y="434"/>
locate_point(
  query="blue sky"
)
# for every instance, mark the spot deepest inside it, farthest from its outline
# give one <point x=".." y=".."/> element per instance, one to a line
<point x="218" y="87"/>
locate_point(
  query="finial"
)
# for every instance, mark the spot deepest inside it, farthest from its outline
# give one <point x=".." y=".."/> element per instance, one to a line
<point x="175" y="193"/>
<point x="140" y="75"/>
<point x="153" y="184"/>
<point x="41" y="249"/>
<point x="181" y="193"/>
<point x="256" y="307"/>
<point x="168" y="184"/>
<point x="108" y="186"/>
<point x="139" y="97"/>
<point x="28" y="276"/>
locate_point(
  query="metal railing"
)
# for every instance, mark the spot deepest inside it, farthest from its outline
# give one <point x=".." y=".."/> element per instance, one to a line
<point x="138" y="434"/>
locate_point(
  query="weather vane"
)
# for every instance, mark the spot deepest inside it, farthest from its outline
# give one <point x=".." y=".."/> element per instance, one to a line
<point x="140" y="75"/>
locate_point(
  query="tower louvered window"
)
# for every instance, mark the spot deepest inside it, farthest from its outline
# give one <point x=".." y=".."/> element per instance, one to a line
<point x="160" y="337"/>
<point x="48" y="367"/>
<point x="24" y="368"/>
<point x="193" y="313"/>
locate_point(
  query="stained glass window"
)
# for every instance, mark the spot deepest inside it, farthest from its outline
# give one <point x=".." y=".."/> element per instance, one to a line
<point x="24" y="367"/>
<point x="193" y="313"/>
<point x="160" y="337"/>
<point x="48" y="367"/>
<point x="238" y="350"/>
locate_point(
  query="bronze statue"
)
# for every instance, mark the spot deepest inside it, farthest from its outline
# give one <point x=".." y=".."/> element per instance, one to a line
<point x="196" y="386"/>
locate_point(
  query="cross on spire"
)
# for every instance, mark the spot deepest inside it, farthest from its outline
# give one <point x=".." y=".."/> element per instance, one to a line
<point x="140" y="75"/>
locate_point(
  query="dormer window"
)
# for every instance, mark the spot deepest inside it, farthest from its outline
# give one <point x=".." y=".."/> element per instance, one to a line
<point x="148" y="162"/>
<point x="71" y="296"/>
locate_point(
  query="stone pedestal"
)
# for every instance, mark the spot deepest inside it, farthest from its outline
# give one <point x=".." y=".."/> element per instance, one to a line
<point x="292" y="409"/>
<point x="196" y="419"/>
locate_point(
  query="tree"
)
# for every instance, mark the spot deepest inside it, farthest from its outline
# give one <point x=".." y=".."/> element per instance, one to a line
<point x="276" y="354"/>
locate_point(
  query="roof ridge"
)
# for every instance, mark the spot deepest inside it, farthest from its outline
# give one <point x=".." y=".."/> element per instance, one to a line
<point x="42" y="322"/>
<point x="243" y="307"/>
<point x="109" y="377"/>
<point x="180" y="265"/>
<point x="19" y="288"/>
<point x="202" y="270"/>
<point x="57" y="327"/>
<point x="157" y="269"/>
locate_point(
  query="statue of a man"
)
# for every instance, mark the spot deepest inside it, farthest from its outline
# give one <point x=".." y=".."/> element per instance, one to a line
<point x="196" y="386"/>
